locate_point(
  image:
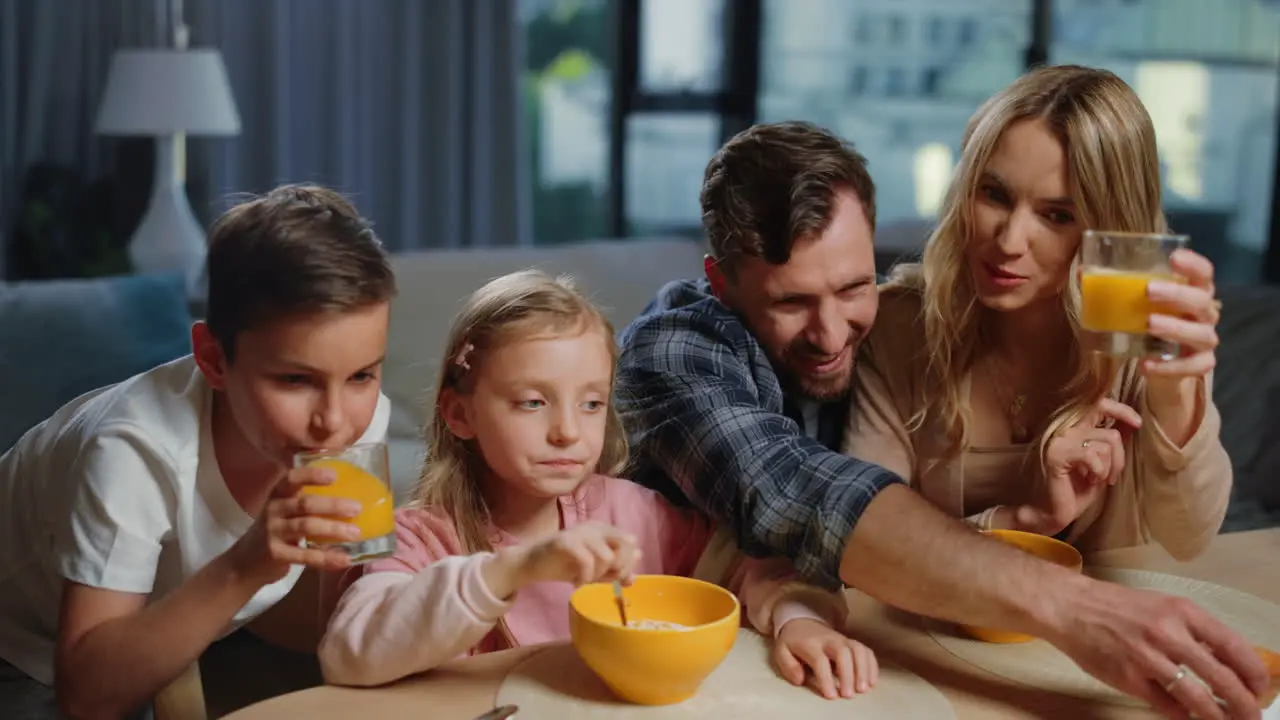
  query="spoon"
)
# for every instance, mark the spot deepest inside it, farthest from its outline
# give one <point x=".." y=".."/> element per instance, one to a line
<point x="622" y="602"/>
<point x="499" y="713"/>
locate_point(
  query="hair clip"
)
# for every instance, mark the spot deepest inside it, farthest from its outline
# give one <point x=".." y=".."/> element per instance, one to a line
<point x="461" y="358"/>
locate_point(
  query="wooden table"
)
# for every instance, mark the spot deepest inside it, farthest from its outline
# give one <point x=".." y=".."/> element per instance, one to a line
<point x="464" y="689"/>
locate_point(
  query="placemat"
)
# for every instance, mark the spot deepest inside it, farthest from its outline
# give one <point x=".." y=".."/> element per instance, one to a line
<point x="555" y="683"/>
<point x="1041" y="665"/>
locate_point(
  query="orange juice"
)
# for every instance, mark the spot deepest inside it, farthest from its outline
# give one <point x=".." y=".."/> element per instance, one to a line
<point x="377" y="506"/>
<point x="1272" y="662"/>
<point x="1116" y="300"/>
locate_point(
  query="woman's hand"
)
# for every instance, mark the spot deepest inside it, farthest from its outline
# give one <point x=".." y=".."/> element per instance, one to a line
<point x="1080" y="463"/>
<point x="1190" y="319"/>
<point x="1175" y="389"/>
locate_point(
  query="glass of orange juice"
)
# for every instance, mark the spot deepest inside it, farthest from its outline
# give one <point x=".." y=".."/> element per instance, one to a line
<point x="1115" y="268"/>
<point x="363" y="476"/>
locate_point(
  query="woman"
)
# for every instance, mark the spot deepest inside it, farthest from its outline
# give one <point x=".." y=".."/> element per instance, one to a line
<point x="976" y="383"/>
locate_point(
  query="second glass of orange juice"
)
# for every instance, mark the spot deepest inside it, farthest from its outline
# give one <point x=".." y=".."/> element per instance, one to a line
<point x="1115" y="268"/>
<point x="363" y="476"/>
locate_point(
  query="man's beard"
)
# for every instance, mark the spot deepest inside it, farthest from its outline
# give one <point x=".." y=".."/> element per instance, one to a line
<point x="821" y="389"/>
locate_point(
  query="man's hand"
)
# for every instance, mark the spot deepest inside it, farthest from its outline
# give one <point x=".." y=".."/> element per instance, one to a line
<point x="1138" y="641"/>
<point x="908" y="554"/>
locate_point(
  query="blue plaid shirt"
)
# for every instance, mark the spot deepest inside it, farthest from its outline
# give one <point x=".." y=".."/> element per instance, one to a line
<point x="706" y="417"/>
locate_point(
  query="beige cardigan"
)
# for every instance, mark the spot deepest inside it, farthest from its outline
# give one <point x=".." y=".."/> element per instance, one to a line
<point x="1175" y="496"/>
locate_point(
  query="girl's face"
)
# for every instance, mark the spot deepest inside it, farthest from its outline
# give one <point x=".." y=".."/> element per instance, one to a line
<point x="1025" y="232"/>
<point x="537" y="411"/>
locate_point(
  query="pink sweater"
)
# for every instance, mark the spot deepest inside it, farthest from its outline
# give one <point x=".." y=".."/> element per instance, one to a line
<point x="428" y="603"/>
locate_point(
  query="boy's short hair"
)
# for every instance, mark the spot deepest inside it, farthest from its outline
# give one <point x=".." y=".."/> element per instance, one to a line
<point x="297" y="250"/>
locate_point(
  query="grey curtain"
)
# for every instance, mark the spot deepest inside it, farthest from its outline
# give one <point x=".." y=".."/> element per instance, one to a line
<point x="411" y="107"/>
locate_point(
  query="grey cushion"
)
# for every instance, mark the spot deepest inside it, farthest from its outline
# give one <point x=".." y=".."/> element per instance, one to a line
<point x="1247" y="392"/>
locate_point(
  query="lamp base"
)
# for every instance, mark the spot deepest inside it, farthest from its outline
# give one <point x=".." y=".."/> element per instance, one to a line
<point x="169" y="239"/>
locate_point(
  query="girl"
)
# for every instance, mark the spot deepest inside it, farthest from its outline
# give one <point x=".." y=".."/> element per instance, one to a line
<point x="976" y="383"/>
<point x="511" y="512"/>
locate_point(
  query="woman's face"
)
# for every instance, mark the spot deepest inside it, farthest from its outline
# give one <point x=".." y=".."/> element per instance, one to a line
<point x="1024" y="233"/>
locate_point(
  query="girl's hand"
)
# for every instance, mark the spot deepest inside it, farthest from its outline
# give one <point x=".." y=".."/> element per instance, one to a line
<point x="1081" y="462"/>
<point x="586" y="553"/>
<point x="1192" y="320"/>
<point x="840" y="665"/>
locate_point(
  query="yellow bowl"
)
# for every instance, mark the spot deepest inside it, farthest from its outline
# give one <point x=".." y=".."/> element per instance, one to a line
<point x="1042" y="546"/>
<point x="654" y="667"/>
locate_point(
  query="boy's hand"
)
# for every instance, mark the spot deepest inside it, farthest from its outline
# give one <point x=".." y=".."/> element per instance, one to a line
<point x="276" y="540"/>
<point x="841" y="666"/>
<point x="586" y="553"/>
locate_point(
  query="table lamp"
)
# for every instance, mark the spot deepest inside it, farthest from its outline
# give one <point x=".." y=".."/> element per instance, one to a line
<point x="168" y="94"/>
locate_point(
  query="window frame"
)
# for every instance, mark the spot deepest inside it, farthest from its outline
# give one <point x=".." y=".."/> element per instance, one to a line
<point x="736" y="102"/>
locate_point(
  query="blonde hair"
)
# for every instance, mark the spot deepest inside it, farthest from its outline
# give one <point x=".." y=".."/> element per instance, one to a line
<point x="1114" y="180"/>
<point x="505" y="310"/>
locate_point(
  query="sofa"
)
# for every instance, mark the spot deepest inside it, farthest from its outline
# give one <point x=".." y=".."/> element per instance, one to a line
<point x="621" y="276"/>
<point x="60" y="338"/>
<point x="75" y="335"/>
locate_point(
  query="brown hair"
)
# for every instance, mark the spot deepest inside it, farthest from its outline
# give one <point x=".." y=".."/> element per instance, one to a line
<point x="1114" y="179"/>
<point x="773" y="184"/>
<point x="299" y="249"/>
<point x="506" y="309"/>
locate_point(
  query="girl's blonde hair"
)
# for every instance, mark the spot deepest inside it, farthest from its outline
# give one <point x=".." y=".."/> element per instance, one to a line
<point x="1114" y="180"/>
<point x="507" y="309"/>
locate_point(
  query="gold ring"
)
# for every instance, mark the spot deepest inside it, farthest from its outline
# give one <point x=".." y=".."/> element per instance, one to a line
<point x="1182" y="672"/>
<point x="1085" y="444"/>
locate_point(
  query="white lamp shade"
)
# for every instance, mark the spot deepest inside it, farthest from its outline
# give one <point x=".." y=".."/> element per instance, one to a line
<point x="161" y="91"/>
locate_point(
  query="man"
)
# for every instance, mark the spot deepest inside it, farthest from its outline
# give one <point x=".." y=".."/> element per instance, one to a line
<point x="734" y="389"/>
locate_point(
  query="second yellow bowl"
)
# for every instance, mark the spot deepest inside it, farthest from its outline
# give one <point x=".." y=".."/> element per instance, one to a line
<point x="1042" y="546"/>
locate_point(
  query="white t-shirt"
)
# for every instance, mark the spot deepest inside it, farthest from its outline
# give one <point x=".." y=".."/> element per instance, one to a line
<point x="119" y="489"/>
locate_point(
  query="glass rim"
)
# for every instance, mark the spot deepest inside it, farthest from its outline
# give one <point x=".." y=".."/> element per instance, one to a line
<point x="324" y="453"/>
<point x="1159" y="236"/>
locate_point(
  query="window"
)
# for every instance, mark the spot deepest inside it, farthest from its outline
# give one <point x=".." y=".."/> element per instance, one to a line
<point x="1207" y="74"/>
<point x="911" y="132"/>
<point x="937" y="30"/>
<point x="690" y="84"/>
<point x="895" y="82"/>
<point x="567" y="87"/>
<point x="681" y="46"/>
<point x="628" y="99"/>
<point x="858" y="84"/>
<point x="929" y="81"/>
<point x="864" y="29"/>
<point x="897" y="29"/>
<point x="673" y="127"/>
<point x="666" y="154"/>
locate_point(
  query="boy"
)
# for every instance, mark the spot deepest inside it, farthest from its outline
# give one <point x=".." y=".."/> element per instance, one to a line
<point x="145" y="520"/>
